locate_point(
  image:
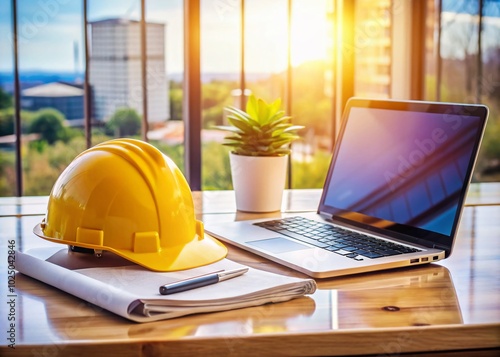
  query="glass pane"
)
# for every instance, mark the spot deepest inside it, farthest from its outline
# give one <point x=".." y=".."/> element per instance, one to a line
<point x="373" y="48"/>
<point x="312" y="40"/>
<point x="488" y="167"/>
<point x="459" y="46"/>
<point x="265" y="69"/>
<point x="431" y="51"/>
<point x="7" y="139"/>
<point x="165" y="71"/>
<point x="266" y="42"/>
<point x="50" y="68"/>
<point x="470" y="70"/>
<point x="115" y="69"/>
<point x="220" y="81"/>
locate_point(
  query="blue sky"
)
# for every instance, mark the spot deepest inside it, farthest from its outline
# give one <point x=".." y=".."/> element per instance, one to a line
<point x="491" y="7"/>
<point x="49" y="29"/>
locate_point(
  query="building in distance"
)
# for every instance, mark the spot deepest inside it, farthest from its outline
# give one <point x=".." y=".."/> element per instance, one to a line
<point x="115" y="68"/>
<point x="66" y="98"/>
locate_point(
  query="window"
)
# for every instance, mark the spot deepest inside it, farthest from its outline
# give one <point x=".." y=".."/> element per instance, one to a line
<point x="267" y="66"/>
<point x="463" y="65"/>
<point x="311" y="54"/>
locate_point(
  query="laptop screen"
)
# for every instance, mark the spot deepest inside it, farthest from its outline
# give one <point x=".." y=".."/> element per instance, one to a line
<point x="404" y="167"/>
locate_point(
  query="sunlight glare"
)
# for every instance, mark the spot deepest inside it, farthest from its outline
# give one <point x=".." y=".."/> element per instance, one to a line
<point x="309" y="32"/>
<point x="267" y="33"/>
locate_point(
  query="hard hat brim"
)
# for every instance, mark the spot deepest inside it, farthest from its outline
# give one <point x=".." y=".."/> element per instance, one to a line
<point x="196" y="253"/>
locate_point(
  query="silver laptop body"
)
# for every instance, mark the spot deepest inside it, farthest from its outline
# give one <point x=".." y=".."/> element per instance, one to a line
<point x="398" y="177"/>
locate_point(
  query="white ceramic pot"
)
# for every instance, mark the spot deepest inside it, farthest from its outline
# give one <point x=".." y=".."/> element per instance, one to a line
<point x="258" y="182"/>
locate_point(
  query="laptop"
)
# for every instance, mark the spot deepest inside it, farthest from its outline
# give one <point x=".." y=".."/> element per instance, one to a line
<point x="392" y="197"/>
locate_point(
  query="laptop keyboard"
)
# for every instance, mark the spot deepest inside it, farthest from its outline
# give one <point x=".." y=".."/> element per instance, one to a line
<point x="350" y="244"/>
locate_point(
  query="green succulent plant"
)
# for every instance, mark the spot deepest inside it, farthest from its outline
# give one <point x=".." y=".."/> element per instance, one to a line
<point x="261" y="130"/>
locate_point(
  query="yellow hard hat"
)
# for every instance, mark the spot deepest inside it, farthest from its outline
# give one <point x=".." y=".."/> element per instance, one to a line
<point x="126" y="197"/>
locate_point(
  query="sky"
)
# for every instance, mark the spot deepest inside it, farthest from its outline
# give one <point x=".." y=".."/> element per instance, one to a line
<point x="49" y="30"/>
<point x="491" y="7"/>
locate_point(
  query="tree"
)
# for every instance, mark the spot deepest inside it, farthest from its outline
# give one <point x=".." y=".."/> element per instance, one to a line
<point x="6" y="122"/>
<point x="49" y="124"/>
<point x="175" y="97"/>
<point x="125" y="122"/>
<point x="5" y="100"/>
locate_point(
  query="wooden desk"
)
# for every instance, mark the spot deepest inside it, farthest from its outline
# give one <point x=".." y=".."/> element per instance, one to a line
<point x="451" y="306"/>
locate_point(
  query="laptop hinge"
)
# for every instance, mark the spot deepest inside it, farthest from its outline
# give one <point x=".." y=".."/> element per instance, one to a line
<point x="437" y="246"/>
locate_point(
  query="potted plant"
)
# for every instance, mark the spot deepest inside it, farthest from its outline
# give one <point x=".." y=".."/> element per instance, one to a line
<point x="260" y="139"/>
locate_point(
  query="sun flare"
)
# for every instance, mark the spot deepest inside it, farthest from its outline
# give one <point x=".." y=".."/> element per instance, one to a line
<point x="310" y="35"/>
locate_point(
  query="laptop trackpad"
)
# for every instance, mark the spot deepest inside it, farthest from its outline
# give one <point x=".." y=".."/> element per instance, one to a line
<point x="278" y="245"/>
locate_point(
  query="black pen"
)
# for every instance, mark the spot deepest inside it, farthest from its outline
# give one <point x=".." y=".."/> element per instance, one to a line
<point x="199" y="281"/>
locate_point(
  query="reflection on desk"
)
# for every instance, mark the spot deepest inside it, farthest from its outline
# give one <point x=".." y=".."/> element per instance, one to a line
<point x="395" y="299"/>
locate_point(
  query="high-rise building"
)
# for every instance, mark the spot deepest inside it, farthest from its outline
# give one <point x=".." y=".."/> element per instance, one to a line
<point x="115" y="68"/>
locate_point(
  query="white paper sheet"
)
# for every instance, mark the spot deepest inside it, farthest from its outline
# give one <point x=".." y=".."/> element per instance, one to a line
<point x="132" y="291"/>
